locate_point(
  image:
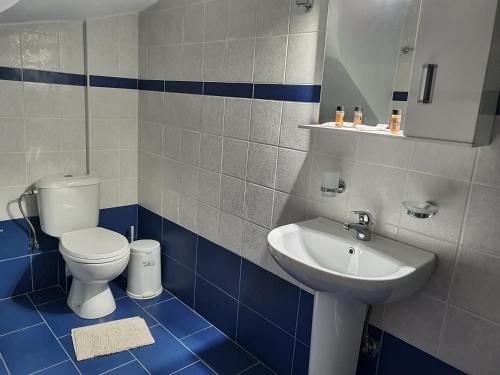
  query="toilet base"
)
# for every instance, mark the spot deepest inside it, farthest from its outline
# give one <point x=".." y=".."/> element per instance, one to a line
<point x="91" y="300"/>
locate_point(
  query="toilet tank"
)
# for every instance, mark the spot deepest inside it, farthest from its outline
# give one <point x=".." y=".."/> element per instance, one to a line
<point x="66" y="204"/>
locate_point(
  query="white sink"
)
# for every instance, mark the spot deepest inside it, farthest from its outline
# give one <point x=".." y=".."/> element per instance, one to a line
<point x="347" y="274"/>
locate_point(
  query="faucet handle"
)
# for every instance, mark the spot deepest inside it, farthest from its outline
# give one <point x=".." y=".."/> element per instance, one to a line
<point x="364" y="217"/>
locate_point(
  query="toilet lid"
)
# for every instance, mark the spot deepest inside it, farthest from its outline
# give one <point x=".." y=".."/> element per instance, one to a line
<point x="94" y="244"/>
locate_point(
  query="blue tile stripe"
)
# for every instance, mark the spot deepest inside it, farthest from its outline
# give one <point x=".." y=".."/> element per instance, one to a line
<point x="114" y="82"/>
<point x="282" y="92"/>
<point x="43" y="76"/>
<point x="10" y="74"/>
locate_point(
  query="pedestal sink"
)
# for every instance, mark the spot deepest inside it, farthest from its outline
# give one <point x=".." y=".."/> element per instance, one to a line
<point x="347" y="275"/>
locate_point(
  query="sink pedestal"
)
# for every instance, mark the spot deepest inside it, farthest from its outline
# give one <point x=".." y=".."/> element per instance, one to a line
<point x="337" y="327"/>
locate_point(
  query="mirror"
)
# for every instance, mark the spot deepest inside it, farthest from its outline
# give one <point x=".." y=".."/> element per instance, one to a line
<point x="368" y="57"/>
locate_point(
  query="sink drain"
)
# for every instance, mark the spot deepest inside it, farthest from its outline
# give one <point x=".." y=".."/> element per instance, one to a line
<point x="351" y="250"/>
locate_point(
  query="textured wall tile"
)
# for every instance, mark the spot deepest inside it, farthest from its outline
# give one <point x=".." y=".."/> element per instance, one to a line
<point x="261" y="167"/>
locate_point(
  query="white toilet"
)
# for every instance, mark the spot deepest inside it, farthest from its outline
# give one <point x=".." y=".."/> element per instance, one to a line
<point x="69" y="209"/>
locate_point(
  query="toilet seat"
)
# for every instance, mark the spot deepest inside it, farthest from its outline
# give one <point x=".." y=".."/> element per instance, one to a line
<point x="94" y="245"/>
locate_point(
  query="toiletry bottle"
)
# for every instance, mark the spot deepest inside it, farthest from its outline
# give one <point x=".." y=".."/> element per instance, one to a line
<point x="395" y="124"/>
<point x="339" y="117"/>
<point x="358" y="116"/>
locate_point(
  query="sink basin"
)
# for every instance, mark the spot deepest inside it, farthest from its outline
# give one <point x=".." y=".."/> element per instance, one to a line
<point x="323" y="256"/>
<point x="347" y="274"/>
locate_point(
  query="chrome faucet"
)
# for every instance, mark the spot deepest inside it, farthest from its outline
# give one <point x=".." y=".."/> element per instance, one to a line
<point x="362" y="227"/>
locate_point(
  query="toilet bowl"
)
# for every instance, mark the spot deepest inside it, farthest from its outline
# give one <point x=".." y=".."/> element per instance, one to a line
<point x="94" y="257"/>
<point x="68" y="208"/>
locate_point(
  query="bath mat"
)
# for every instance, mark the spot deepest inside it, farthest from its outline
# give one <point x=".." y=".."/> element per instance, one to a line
<point x="111" y="337"/>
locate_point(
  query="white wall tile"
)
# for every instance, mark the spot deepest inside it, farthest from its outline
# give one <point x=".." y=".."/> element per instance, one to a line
<point x="293" y="171"/>
<point x="240" y="56"/>
<point x="216" y="16"/>
<point x="40" y="50"/>
<point x="232" y="195"/>
<point x="193" y="25"/>
<point x="12" y="169"/>
<point x="230" y="232"/>
<point x="417" y="320"/>
<point x="42" y="134"/>
<point x="270" y="56"/>
<point x="384" y="151"/>
<point x="211" y="152"/>
<point x="254" y="244"/>
<point x="265" y="121"/>
<point x="261" y="165"/>
<point x="190" y="147"/>
<point x="188" y="212"/>
<point x="234" y="157"/>
<point x="170" y="205"/>
<point x="258" y="205"/>
<point x="212" y="116"/>
<point x="470" y="343"/>
<point x="304" y="59"/>
<point x="10" y="46"/>
<point x="11" y="99"/>
<point x="214" y="61"/>
<point x="41" y="99"/>
<point x="209" y="190"/>
<point x="480" y="229"/>
<point x="476" y="283"/>
<point x="42" y="164"/>
<point x="237" y="118"/>
<point x="192" y="62"/>
<point x="272" y="17"/>
<point x="242" y="18"/>
<point x="443" y="160"/>
<point x="295" y="114"/>
<point x="11" y="134"/>
<point x="288" y="209"/>
<point x="487" y="171"/>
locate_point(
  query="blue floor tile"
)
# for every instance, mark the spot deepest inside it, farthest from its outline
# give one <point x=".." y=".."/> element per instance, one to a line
<point x="126" y="308"/>
<point x="273" y="346"/>
<point x="65" y="368"/>
<point x="178" y="279"/>
<point x="96" y="365"/>
<point x="367" y="364"/>
<point x="199" y="368"/>
<point x="219" y="352"/>
<point x="269" y="295"/>
<point x="3" y="368"/>
<point x="38" y="342"/>
<point x="177" y="318"/>
<point x="119" y="219"/>
<point x="257" y="370"/>
<point x="47" y="295"/>
<point x="132" y="368"/>
<point x="164" y="296"/>
<point x="166" y="355"/>
<point x="217" y="307"/>
<point x="17" y="313"/>
<point x="61" y="318"/>
<point x="300" y="359"/>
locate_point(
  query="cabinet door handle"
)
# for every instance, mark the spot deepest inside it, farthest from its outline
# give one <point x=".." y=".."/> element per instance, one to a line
<point x="427" y="83"/>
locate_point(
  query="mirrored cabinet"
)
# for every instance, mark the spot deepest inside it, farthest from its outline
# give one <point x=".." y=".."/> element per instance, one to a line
<point x="436" y="61"/>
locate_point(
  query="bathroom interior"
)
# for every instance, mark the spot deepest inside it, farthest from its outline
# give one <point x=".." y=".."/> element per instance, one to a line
<point x="263" y="186"/>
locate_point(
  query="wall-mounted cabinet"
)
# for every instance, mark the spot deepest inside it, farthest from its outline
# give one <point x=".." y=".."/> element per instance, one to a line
<point x="438" y="61"/>
<point x="456" y="72"/>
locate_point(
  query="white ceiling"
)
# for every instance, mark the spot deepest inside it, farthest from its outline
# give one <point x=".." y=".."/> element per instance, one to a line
<point x="51" y="10"/>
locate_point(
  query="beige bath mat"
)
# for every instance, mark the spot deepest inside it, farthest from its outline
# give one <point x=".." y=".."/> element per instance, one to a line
<point x="111" y="337"/>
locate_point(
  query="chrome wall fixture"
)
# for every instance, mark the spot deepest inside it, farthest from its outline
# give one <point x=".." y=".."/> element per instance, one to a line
<point x="308" y="4"/>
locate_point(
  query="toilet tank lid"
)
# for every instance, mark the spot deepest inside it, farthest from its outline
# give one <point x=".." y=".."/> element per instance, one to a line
<point x="66" y="182"/>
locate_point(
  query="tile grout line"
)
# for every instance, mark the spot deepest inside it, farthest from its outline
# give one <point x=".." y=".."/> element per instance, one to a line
<point x="295" y="335"/>
<point x="194" y="333"/>
<point x="248" y="368"/>
<point x="185" y="367"/>
<point x="140" y="363"/>
<point x="229" y="338"/>
<point x="4" y="364"/>
<point x="57" y="339"/>
<point x="175" y="337"/>
<point x="21" y="329"/>
<point x="46" y="368"/>
<point x="117" y="367"/>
